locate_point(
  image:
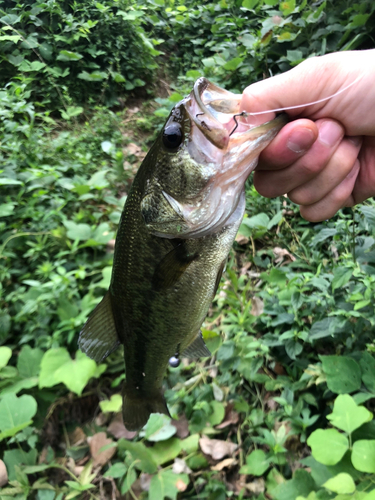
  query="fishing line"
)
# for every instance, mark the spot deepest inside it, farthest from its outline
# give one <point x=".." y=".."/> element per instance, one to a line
<point x="277" y="110"/>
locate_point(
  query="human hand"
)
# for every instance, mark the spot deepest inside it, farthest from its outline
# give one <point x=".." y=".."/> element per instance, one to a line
<point x="325" y="160"/>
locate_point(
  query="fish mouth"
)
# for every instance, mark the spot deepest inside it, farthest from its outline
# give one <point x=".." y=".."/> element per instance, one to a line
<point x="216" y="114"/>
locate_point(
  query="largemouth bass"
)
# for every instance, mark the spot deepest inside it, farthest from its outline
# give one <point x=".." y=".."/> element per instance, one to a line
<point x="176" y="230"/>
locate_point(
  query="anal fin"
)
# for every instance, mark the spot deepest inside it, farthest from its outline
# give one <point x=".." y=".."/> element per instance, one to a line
<point x="197" y="349"/>
<point x="98" y="337"/>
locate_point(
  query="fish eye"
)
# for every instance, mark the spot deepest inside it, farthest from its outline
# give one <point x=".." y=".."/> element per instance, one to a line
<point x="172" y="136"/>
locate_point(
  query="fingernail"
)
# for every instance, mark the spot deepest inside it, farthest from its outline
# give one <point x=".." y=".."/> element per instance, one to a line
<point x="300" y="140"/>
<point x="330" y="132"/>
<point x="356" y="140"/>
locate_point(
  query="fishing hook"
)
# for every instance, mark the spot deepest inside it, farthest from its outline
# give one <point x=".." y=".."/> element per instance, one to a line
<point x="243" y="113"/>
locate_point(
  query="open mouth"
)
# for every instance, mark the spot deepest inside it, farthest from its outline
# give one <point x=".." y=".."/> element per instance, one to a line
<point x="216" y="112"/>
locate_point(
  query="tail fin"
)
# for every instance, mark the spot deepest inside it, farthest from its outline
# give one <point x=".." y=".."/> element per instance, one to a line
<point x="137" y="407"/>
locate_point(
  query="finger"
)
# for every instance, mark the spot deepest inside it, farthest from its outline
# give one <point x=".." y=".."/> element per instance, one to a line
<point x="293" y="141"/>
<point x="335" y="171"/>
<point x="308" y="166"/>
<point x="338" y="198"/>
<point x="365" y="184"/>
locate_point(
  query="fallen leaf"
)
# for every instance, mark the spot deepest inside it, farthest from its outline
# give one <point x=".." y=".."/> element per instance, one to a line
<point x="216" y="448"/>
<point x="279" y="369"/>
<point x="3" y="474"/>
<point x="133" y="149"/>
<point x="145" y="480"/>
<point x="256" y="486"/>
<point x="227" y="462"/>
<point x="182" y="426"/>
<point x="281" y="253"/>
<point x="245" y="268"/>
<point x="133" y="110"/>
<point x="230" y="417"/>
<point x="96" y="443"/>
<point x="77" y="437"/>
<point x="118" y="429"/>
<point x="179" y="466"/>
<point x="242" y="240"/>
<point x="257" y="306"/>
<point x="240" y="484"/>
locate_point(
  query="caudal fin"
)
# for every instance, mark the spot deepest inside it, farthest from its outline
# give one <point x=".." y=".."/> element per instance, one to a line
<point x="137" y="408"/>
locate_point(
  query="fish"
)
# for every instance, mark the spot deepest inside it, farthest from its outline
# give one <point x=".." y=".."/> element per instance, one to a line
<point x="177" y="228"/>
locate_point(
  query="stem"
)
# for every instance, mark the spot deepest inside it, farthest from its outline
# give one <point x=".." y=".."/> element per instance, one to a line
<point x="353" y="234"/>
<point x="39" y="233"/>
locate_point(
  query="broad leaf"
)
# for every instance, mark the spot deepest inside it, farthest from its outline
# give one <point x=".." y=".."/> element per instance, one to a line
<point x="347" y="415"/>
<point x="328" y="446"/>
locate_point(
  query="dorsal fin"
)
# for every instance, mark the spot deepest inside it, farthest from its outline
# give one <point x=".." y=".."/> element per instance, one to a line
<point x="98" y="337"/>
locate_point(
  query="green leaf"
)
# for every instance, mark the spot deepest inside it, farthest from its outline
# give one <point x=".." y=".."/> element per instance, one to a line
<point x="301" y="484"/>
<point x="5" y="355"/>
<point x="116" y="470"/>
<point x="6" y="209"/>
<point x="347" y="415"/>
<point x="4" y="325"/>
<point x="367" y="363"/>
<point x="13" y="458"/>
<point x="139" y="452"/>
<point x="343" y="373"/>
<point x="164" y="485"/>
<point x="250" y="4"/>
<point x="342" y="483"/>
<point x="256" y="464"/>
<point x="190" y="444"/>
<point x="28" y="362"/>
<point x="341" y="276"/>
<point x="328" y="446"/>
<point x="359" y="20"/>
<point x="218" y="412"/>
<point x="10" y="38"/>
<point x="159" y="428"/>
<point x="166" y="451"/>
<point x="363" y="455"/>
<point x="130" y="15"/>
<point x="57" y="366"/>
<point x="16" y="412"/>
<point x="233" y="64"/>
<point x="67" y="55"/>
<point x="287" y="7"/>
<point x="71" y="111"/>
<point x="96" y="76"/>
<point x="114" y="404"/>
<point x="20" y="385"/>
<point x="369" y="214"/>
<point x="77" y="231"/>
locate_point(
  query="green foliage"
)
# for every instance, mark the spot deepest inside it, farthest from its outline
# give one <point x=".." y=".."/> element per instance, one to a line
<point x="73" y="52"/>
<point x="291" y="329"/>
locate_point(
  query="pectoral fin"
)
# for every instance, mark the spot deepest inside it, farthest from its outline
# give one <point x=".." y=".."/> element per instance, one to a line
<point x="98" y="337"/>
<point x="172" y="267"/>
<point x="197" y="349"/>
<point x="219" y="275"/>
